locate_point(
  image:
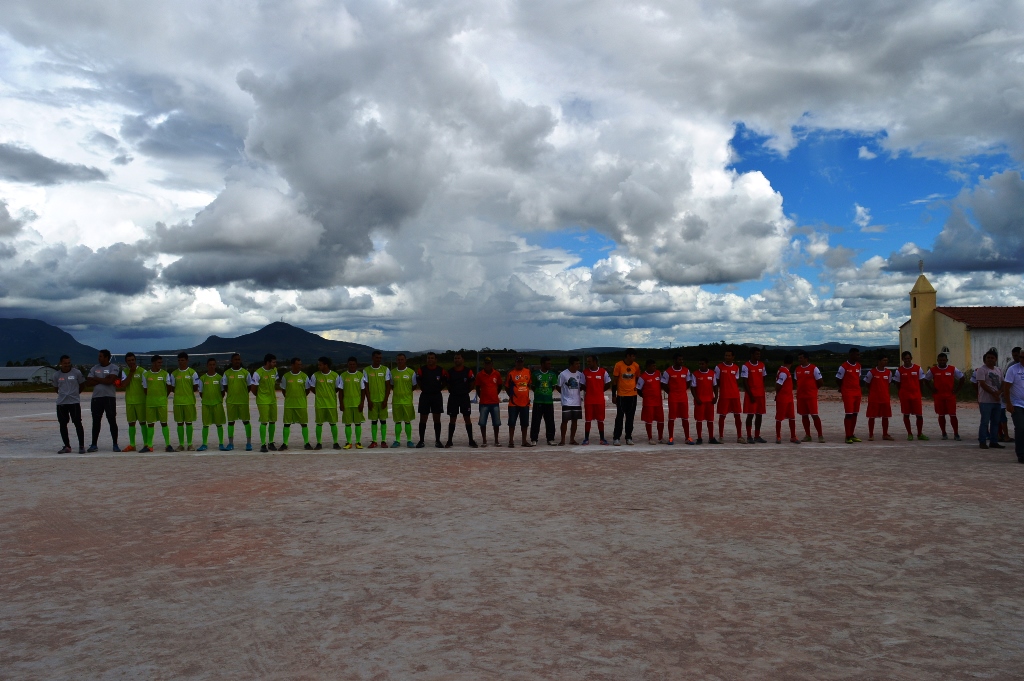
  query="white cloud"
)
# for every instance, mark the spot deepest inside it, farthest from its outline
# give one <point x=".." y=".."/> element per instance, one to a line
<point x="865" y="154"/>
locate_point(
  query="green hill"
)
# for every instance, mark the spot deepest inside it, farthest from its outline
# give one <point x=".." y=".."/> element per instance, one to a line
<point x="21" y="339"/>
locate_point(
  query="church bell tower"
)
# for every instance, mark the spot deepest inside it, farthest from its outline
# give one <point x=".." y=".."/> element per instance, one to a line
<point x="922" y="320"/>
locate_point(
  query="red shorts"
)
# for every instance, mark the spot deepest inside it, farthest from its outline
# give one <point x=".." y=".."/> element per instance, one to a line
<point x="807" y="405"/>
<point x="784" y="410"/>
<point x="945" y="405"/>
<point x="729" y="405"/>
<point x="910" y="405"/>
<point x="851" y="403"/>
<point x="878" y="409"/>
<point x="705" y="411"/>
<point x="654" y="412"/>
<point x="754" y="404"/>
<point x="594" y="412"/>
<point x="678" y="410"/>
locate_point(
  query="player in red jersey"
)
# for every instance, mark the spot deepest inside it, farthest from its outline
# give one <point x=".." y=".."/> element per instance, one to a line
<point x="946" y="382"/>
<point x="849" y="387"/>
<point x="677" y="381"/>
<point x="908" y="377"/>
<point x="727" y="374"/>
<point x="785" y="409"/>
<point x="649" y="387"/>
<point x="808" y="381"/>
<point x="596" y="381"/>
<point x="705" y="395"/>
<point x="879" y="403"/>
<point x="752" y="375"/>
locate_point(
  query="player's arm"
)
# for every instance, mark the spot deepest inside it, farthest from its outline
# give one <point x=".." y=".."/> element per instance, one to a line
<point x="664" y="382"/>
<point x="743" y="378"/>
<point x="959" y="381"/>
<point x="387" y="387"/>
<point x="1008" y="381"/>
<point x="364" y="393"/>
<point x="254" y="383"/>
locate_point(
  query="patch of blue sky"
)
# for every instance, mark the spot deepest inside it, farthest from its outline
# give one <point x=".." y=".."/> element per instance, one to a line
<point x="586" y="243"/>
<point x="829" y="173"/>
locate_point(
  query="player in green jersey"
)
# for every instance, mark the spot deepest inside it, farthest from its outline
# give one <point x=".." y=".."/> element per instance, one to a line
<point x="295" y="386"/>
<point x="156" y="381"/>
<point x="184" y="381"/>
<point x="403" y="381"/>
<point x="236" y="384"/>
<point x="378" y="389"/>
<point x="264" y="387"/>
<point x="325" y="387"/>
<point x="213" y="404"/>
<point x="353" y="394"/>
<point x="134" y="400"/>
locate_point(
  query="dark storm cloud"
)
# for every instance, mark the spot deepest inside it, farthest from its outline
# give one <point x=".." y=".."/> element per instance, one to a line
<point x="61" y="273"/>
<point x="19" y="164"/>
<point x="182" y="136"/>
<point x="9" y="225"/>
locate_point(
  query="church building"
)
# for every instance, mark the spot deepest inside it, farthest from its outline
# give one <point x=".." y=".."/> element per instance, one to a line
<point x="963" y="333"/>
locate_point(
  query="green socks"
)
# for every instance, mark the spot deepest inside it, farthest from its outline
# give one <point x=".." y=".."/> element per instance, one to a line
<point x="131" y="434"/>
<point x="334" y="432"/>
<point x="373" y="432"/>
<point x="220" y="434"/>
<point x="231" y="432"/>
<point x="189" y="431"/>
<point x="181" y="434"/>
<point x="383" y="431"/>
<point x="271" y="430"/>
<point x="285" y="433"/>
<point x="319" y="432"/>
<point x="248" y="432"/>
<point x="166" y="430"/>
<point x="408" y="431"/>
<point x="348" y="435"/>
<point x="359" y="433"/>
<point x="263" y="434"/>
<point x="305" y="434"/>
<point x="206" y="434"/>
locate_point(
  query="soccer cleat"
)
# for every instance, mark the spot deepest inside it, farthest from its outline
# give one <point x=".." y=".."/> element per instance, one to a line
<point x="604" y="442"/>
<point x="168" y="448"/>
<point x="373" y="445"/>
<point x="64" y="450"/>
<point x="888" y="437"/>
<point x="689" y="441"/>
<point x="145" y="450"/>
<point x="282" y="448"/>
<point x="359" y="445"/>
<point x="821" y="438"/>
<point x="760" y="440"/>
<point x="629" y="442"/>
<point x="419" y="445"/>
<point x="272" y="447"/>
<point x="750" y="440"/>
<point x="794" y="440"/>
<point x="438" y="444"/>
<point x="671" y="441"/>
<point x="116" y="448"/>
<point x="807" y="438"/>
<point x="982" y="445"/>
<point x="248" y="446"/>
<point x="661" y="441"/>
<point x="396" y="443"/>
<point x="996" y="445"/>
<point x="511" y="445"/>
<point x="318" y="447"/>
<point x="713" y="441"/>
<point x="551" y="443"/>
<point x="909" y="436"/>
<point x="448" y="445"/>
<point x="649" y="441"/>
<point x="307" y="446"/>
<point x="92" y="448"/>
<point x="180" y="448"/>
<point x="230" y="447"/>
<point x="698" y="441"/>
<point x="81" y="450"/>
<point x="222" y="448"/>
<point x="856" y="439"/>
<point x="871" y="438"/>
<point x="923" y="437"/>
<point x="849" y="440"/>
<point x="383" y="444"/>
<point x="410" y="444"/>
<point x="945" y="437"/>
<point x="778" y="440"/>
<point x="263" y="449"/>
<point x="190" y="448"/>
<point x="202" y="448"/>
<point x="586" y="441"/>
<point x="129" y="448"/>
<point x="616" y="443"/>
<point x="336" y="446"/>
<point x="473" y="444"/>
<point x="533" y="443"/>
<point x="957" y="437"/>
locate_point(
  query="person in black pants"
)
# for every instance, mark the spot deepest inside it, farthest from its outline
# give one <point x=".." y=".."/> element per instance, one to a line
<point x="461" y="381"/>
<point x="104" y="378"/>
<point x="624" y="377"/>
<point x="544" y="383"/>
<point x="430" y="380"/>
<point x="68" y="382"/>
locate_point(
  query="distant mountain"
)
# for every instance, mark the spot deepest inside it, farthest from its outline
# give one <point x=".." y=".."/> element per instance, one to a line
<point x="24" y="338"/>
<point x="284" y="340"/>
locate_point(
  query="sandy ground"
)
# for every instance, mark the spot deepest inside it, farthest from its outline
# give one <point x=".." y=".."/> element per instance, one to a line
<point x="889" y="560"/>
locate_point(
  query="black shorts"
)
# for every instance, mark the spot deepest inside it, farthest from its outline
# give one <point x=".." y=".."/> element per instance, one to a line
<point x="431" y="403"/>
<point x="571" y="413"/>
<point x="459" y="404"/>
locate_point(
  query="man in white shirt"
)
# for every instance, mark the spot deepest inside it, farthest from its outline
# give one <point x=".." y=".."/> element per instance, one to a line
<point x="570" y="381"/>
<point x="1013" y="396"/>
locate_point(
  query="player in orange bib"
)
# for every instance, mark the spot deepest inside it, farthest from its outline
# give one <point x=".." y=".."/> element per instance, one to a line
<point x="677" y="381"/>
<point x="784" y="407"/>
<point x="752" y="375"/>
<point x="879" y="403"/>
<point x="705" y="395"/>
<point x="727" y="375"/>
<point x="849" y="388"/>
<point x="649" y="387"/>
<point x="908" y="377"/>
<point x="946" y="382"/>
<point x="808" y="381"/>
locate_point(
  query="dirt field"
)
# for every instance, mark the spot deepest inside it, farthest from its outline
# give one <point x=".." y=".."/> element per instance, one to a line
<point x="889" y="560"/>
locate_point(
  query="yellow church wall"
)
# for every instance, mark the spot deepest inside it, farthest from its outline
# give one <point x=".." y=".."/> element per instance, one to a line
<point x="951" y="335"/>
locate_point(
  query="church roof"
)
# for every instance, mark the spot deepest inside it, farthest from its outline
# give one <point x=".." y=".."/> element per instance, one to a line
<point x="986" y="316"/>
<point x="922" y="285"/>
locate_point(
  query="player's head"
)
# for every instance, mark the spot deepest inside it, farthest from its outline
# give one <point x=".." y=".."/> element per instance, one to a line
<point x="545" y="363"/>
<point x="854" y="355"/>
<point x="677" y="360"/>
<point x="269" y="361"/>
<point x="592" y="362"/>
<point x="130" y="360"/>
<point x="574" y="363"/>
<point x="104" y="357"/>
<point x="353" y="364"/>
<point x="803" y="357"/>
<point x="787" y="360"/>
<point x="65" y="363"/>
<point x="702" y="363"/>
<point x="991" y="357"/>
<point x="324" y="364"/>
<point x="431" y="359"/>
<point x="211" y="366"/>
<point x="459" y="360"/>
<point x="296" y="364"/>
<point x="630" y="355"/>
<point x="488" y="363"/>
<point x="156" y="362"/>
<point x="376" y="357"/>
<point x="1015" y="353"/>
<point x="907" y="357"/>
<point x="519" y="361"/>
<point x="400" y="360"/>
<point x="236" y="361"/>
<point x="942" y="359"/>
<point x="883" y="359"/>
<point x="183" y="360"/>
<point x="651" y="365"/>
<point x="755" y="354"/>
<point x="729" y="356"/>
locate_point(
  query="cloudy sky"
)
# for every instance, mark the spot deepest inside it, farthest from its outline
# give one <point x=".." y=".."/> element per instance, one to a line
<point x="533" y="174"/>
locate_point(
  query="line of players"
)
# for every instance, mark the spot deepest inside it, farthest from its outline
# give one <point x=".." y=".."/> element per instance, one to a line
<point x="364" y="394"/>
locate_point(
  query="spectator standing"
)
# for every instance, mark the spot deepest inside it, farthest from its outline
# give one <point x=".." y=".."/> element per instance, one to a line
<point x="989" y="379"/>
<point x="1013" y="396"/>
<point x="68" y="382"/>
<point x="104" y="377"/>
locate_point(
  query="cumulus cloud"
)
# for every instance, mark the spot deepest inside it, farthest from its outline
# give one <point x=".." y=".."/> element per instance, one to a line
<point x="865" y="154"/>
<point x="18" y="164"/>
<point x="9" y="225"/>
<point x="57" y="272"/>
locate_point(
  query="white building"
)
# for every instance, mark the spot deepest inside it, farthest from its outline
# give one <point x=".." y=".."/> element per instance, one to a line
<point x="21" y="375"/>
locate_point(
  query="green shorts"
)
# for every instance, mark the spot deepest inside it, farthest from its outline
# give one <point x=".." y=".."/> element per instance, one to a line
<point x="213" y="414"/>
<point x="268" y="412"/>
<point x="184" y="413"/>
<point x="156" y="414"/>
<point x="135" y="412"/>
<point x="326" y="415"/>
<point x="238" y="412"/>
<point x="403" y="413"/>
<point x="296" y="415"/>
<point x="378" y="412"/>
<point x="352" y="415"/>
